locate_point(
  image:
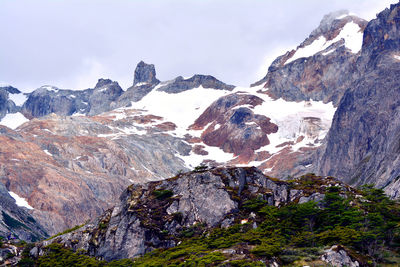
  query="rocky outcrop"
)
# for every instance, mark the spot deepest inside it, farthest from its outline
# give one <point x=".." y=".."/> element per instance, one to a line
<point x="6" y="104"/>
<point x="50" y="99"/>
<point x="104" y="93"/>
<point x="157" y="214"/>
<point x="145" y="73"/>
<point x="337" y="256"/>
<point x="321" y="67"/>
<point x="16" y="222"/>
<point x="231" y="125"/>
<point x="144" y="81"/>
<point x="363" y="142"/>
<point x="181" y="84"/>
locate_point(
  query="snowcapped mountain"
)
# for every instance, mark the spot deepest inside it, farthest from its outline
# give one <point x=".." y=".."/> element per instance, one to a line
<point x="81" y="149"/>
<point x="320" y="68"/>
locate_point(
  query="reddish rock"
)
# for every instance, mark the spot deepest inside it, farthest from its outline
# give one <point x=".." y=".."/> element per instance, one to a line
<point x="199" y="150"/>
<point x="191" y="139"/>
<point x="166" y="126"/>
<point x="234" y="127"/>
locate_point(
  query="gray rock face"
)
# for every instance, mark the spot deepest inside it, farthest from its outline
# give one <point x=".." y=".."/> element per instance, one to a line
<point x="7" y="105"/>
<point x="134" y="93"/>
<point x="104" y="93"/>
<point x="323" y="76"/>
<point x="338" y="257"/>
<point x="11" y="90"/>
<point x="157" y="214"/>
<point x="363" y="142"/>
<point x="181" y="84"/>
<point x="17" y="220"/>
<point x="146" y="212"/>
<point x="145" y="73"/>
<point x="50" y="99"/>
<point x="70" y="169"/>
<point x="239" y="130"/>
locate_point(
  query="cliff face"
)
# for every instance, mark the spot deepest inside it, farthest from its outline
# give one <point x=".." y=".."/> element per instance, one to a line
<point x="363" y="142"/>
<point x="7" y="105"/>
<point x="70" y="169"/>
<point x="157" y="214"/>
<point x="15" y="221"/>
<point x="50" y="99"/>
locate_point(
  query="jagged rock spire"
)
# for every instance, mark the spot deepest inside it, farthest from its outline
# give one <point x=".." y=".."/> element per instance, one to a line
<point x="145" y="73"/>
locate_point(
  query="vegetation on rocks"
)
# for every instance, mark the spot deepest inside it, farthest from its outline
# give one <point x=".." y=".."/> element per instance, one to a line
<point x="366" y="223"/>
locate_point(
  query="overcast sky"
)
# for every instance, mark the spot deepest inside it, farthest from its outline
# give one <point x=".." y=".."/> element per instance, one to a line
<point x="71" y="43"/>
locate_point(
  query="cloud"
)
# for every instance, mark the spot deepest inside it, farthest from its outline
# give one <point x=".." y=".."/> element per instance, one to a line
<point x="90" y="71"/>
<point x="72" y="43"/>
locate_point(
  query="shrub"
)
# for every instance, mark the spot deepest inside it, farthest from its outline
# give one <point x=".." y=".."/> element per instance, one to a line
<point x="163" y="194"/>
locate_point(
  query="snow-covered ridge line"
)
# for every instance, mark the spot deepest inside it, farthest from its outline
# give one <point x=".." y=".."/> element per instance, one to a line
<point x="351" y="33"/>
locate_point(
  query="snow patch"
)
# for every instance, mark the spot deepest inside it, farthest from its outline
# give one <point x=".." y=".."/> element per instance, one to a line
<point x="329" y="52"/>
<point x="181" y="109"/>
<point x="309" y="50"/>
<point x="290" y="118"/>
<point x="48" y="153"/>
<point x="13" y="120"/>
<point x="214" y="153"/>
<point x="142" y="83"/>
<point x="351" y="33"/>
<point x="50" y="88"/>
<point x="21" y="202"/>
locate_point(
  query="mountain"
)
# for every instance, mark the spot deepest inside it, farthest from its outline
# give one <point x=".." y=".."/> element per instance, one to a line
<point x="329" y="106"/>
<point x="363" y="143"/>
<point x="321" y="67"/>
<point x="83" y="147"/>
<point x="50" y="99"/>
<point x="70" y="161"/>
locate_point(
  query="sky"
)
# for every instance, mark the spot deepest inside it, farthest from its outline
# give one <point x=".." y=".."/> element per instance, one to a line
<point x="72" y="43"/>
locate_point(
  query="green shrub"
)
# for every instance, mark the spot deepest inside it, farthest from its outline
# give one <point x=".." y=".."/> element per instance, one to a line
<point x="163" y="194"/>
<point x="267" y="249"/>
<point x="76" y="227"/>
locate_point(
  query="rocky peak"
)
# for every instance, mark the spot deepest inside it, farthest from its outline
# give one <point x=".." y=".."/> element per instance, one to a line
<point x="7" y="105"/>
<point x="102" y="82"/>
<point x="10" y="89"/>
<point x="145" y="74"/>
<point x="382" y="37"/>
<point x="321" y="66"/>
<point x="334" y="21"/>
<point x="181" y="84"/>
<point x="111" y="87"/>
